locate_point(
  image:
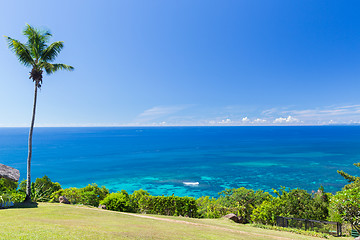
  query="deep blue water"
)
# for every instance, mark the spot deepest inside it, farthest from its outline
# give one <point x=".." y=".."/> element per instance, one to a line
<point x="160" y="159"/>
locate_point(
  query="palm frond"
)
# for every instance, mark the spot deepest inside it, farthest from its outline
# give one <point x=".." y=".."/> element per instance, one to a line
<point x="51" y="68"/>
<point x="51" y="52"/>
<point x="21" y="51"/>
<point x="37" y="40"/>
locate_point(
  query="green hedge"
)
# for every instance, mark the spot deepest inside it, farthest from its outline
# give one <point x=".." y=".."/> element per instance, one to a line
<point x="141" y="201"/>
<point x="169" y="205"/>
<point x="89" y="195"/>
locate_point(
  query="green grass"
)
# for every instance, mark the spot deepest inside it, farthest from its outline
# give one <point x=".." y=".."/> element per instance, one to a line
<point x="59" y="221"/>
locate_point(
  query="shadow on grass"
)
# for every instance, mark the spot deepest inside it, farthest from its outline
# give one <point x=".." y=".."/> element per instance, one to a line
<point x="25" y="205"/>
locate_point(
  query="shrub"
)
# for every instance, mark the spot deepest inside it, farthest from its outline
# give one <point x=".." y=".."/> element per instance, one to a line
<point x="142" y="201"/>
<point x="169" y="205"/>
<point x="119" y="201"/>
<point x="320" y="205"/>
<point x="295" y="203"/>
<point x="240" y="201"/>
<point x="91" y="195"/>
<point x="18" y="196"/>
<point x="7" y="186"/>
<point x="8" y="192"/>
<point x="137" y="200"/>
<point x="41" y="189"/>
<point x="345" y="206"/>
<point x="100" y="191"/>
<point x="209" y="207"/>
<point x="267" y="212"/>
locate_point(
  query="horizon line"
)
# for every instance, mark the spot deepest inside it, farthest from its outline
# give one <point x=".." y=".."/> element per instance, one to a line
<point x="133" y="126"/>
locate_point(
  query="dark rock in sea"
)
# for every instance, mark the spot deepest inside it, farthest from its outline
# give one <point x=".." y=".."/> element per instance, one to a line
<point x="9" y="173"/>
<point x="63" y="199"/>
<point x="233" y="217"/>
<point x="102" y="206"/>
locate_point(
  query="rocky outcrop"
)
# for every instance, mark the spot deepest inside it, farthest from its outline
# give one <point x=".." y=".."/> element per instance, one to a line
<point x="233" y="217"/>
<point x="9" y="173"/>
<point x="63" y="199"/>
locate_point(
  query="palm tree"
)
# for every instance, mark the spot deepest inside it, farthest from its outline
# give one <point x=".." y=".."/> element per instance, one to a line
<point x="37" y="54"/>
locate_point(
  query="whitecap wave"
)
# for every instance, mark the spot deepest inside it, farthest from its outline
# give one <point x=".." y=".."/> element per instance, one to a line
<point x="191" y="183"/>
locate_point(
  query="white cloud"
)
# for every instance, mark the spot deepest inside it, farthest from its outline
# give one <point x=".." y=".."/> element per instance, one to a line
<point x="245" y="120"/>
<point x="287" y="115"/>
<point x="259" y="120"/>
<point x="289" y="119"/>
<point x="226" y="121"/>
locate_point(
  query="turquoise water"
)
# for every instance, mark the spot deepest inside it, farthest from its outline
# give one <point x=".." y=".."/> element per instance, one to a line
<point x="161" y="159"/>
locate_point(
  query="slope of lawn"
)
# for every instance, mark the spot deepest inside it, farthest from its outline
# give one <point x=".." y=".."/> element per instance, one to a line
<point x="59" y="221"/>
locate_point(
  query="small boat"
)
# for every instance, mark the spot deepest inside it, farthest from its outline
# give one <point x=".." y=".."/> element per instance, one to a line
<point x="191" y="183"/>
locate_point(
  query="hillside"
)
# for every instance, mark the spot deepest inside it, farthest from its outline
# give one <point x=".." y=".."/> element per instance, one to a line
<point x="58" y="221"/>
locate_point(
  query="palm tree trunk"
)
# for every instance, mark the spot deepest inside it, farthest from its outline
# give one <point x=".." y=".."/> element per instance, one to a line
<point x="28" y="179"/>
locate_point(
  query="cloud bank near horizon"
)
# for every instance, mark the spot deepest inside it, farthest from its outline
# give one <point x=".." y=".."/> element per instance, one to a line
<point x="195" y="115"/>
<point x="232" y="116"/>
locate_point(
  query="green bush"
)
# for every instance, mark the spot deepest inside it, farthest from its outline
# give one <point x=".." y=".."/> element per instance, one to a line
<point x="209" y="207"/>
<point x="345" y="206"/>
<point x="41" y="189"/>
<point x="137" y="200"/>
<point x="267" y="212"/>
<point x="240" y="201"/>
<point x="119" y="201"/>
<point x="8" y="192"/>
<point x="142" y="201"/>
<point x="17" y="196"/>
<point x="295" y="203"/>
<point x="169" y="205"/>
<point x="91" y="195"/>
<point x="7" y="186"/>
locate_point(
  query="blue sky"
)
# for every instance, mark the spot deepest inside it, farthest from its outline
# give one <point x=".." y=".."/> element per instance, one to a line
<point x="188" y="63"/>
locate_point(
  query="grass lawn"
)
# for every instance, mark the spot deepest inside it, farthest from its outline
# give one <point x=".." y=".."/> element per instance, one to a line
<point x="59" y="221"/>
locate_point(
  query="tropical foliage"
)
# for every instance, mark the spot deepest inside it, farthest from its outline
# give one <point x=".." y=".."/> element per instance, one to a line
<point x="345" y="207"/>
<point x="37" y="53"/>
<point x="7" y="185"/>
<point x="240" y="201"/>
<point x="91" y="195"/>
<point x="41" y="189"/>
<point x="169" y="205"/>
<point x="296" y="203"/>
<point x="142" y="201"/>
<point x="119" y="201"/>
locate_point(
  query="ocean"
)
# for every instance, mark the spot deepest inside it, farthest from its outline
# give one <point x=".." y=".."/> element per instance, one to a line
<point x="187" y="161"/>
